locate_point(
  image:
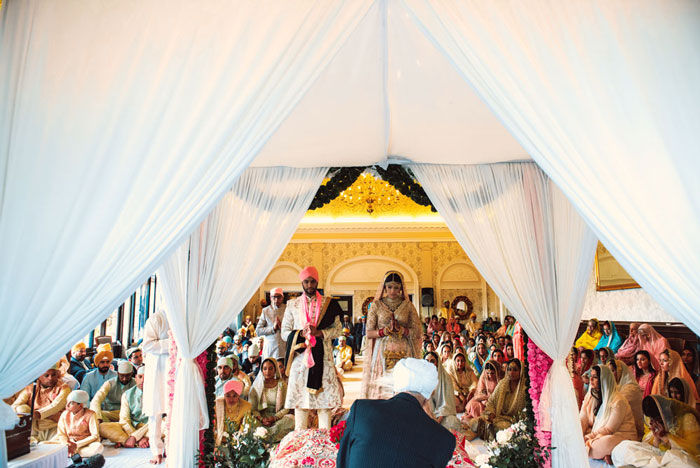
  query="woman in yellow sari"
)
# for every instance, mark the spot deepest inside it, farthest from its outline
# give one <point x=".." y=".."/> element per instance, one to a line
<point x="505" y="404"/>
<point x="591" y="335"/>
<point x="674" y="440"/>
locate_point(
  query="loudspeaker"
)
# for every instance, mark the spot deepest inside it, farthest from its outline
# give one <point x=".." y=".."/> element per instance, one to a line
<point x="427" y="298"/>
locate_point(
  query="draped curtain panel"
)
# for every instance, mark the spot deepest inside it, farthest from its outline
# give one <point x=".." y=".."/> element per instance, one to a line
<point x="536" y="252"/>
<point x="211" y="277"/>
<point x="121" y="126"/>
<point x="604" y="96"/>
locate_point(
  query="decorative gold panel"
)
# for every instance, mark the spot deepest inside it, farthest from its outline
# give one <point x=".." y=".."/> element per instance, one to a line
<point x="609" y="274"/>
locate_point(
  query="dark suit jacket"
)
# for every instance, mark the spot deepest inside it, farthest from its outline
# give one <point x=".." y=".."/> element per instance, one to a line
<point x="77" y="370"/>
<point x="393" y="433"/>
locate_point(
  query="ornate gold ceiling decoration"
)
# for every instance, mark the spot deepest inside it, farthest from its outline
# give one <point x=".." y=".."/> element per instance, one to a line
<point x="370" y="196"/>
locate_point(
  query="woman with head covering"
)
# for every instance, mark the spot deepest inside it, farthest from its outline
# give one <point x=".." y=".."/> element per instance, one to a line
<point x="451" y="325"/>
<point x="690" y="360"/>
<point x="441" y="404"/>
<point x="445" y="351"/>
<point x="673" y="440"/>
<point x="610" y="338"/>
<point x="266" y="398"/>
<point x="433" y="325"/>
<point x="652" y="342"/>
<point x="230" y="408"/>
<point x="606" y="416"/>
<point x="630" y="346"/>
<point x="670" y="367"/>
<point x="479" y="356"/>
<point x="490" y="376"/>
<point x="463" y="379"/>
<point x="628" y="387"/>
<point x="644" y="371"/>
<point x="590" y="336"/>
<point x="680" y="390"/>
<point x="604" y="354"/>
<point x="505" y="404"/>
<point x="575" y="378"/>
<point x="584" y="368"/>
<point x="393" y="333"/>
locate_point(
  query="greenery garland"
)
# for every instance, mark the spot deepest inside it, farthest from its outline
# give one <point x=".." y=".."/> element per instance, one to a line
<point x="208" y="443"/>
<point x="340" y="179"/>
<point x="343" y="177"/>
<point x="404" y="181"/>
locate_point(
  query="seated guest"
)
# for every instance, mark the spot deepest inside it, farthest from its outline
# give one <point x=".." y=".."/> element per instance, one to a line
<point x="604" y="354"/>
<point x="479" y="357"/>
<point x="510" y="352"/>
<point x="445" y="352"/>
<point x="49" y="402"/>
<point x="224" y="370"/>
<point x="490" y="325"/>
<point x="238" y="349"/>
<point x="417" y="442"/>
<point x="108" y="400"/>
<point x="464" y="380"/>
<point x="584" y="369"/>
<point x="644" y="372"/>
<point x="590" y="336"/>
<point x="673" y="441"/>
<point x="78" y="366"/>
<point x="679" y="389"/>
<point x="247" y="330"/>
<point x="237" y="373"/>
<point x="505" y="404"/>
<point x="343" y="359"/>
<point x="441" y="404"/>
<point x="629" y="389"/>
<point x="78" y="427"/>
<point x="575" y="378"/>
<point x="230" y="408"/>
<point x="251" y="365"/>
<point x="690" y="360"/>
<point x="67" y="378"/>
<point x="610" y="338"/>
<point x="471" y="326"/>
<point x="630" y="346"/>
<point x="222" y="349"/>
<point x="652" y="342"/>
<point x="606" y="416"/>
<point x="135" y="357"/>
<point x="442" y="324"/>
<point x="490" y="376"/>
<point x="671" y="366"/>
<point x="94" y="379"/>
<point x="266" y="397"/>
<point x="131" y="417"/>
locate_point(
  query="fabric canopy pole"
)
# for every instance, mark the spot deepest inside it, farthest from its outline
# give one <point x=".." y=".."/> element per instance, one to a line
<point x="604" y="97"/>
<point x="536" y="252"/>
<point x="211" y="277"/>
<point x="121" y="126"/>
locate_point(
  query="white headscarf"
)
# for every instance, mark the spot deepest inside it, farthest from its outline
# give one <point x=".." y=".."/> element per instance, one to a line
<point x="256" y="396"/>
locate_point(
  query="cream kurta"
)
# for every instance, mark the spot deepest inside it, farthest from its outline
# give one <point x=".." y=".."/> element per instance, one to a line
<point x="80" y="429"/>
<point x="155" y="347"/>
<point x="298" y="395"/>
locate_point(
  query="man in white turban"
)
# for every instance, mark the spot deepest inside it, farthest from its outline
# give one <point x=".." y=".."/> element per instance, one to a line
<point x="418" y="440"/>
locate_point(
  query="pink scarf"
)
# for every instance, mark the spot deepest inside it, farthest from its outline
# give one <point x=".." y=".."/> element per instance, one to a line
<point x="311" y="314"/>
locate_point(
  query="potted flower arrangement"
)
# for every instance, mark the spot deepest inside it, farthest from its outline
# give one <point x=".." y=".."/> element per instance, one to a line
<point x="514" y="446"/>
<point x="242" y="446"/>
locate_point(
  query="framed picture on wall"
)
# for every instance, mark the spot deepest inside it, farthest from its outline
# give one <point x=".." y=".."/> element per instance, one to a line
<point x="609" y="274"/>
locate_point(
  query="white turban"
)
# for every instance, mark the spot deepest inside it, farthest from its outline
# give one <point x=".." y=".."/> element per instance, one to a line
<point x="79" y="396"/>
<point x="141" y="371"/>
<point x="415" y="375"/>
<point x="125" y="367"/>
<point x="253" y="350"/>
<point x="225" y="361"/>
<point x="461" y="305"/>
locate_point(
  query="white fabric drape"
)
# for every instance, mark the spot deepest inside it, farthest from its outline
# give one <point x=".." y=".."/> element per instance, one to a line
<point x="121" y="126"/>
<point x="604" y="96"/>
<point x="536" y="252"/>
<point x="211" y="277"/>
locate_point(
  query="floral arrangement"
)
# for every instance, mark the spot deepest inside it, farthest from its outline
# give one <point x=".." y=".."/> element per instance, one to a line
<point x="514" y="446"/>
<point x="336" y="433"/>
<point x="244" y="445"/>
<point x="538" y="366"/>
<point x="172" y="368"/>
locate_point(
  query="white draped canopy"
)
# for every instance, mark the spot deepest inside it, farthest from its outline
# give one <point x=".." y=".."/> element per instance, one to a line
<point x="123" y="124"/>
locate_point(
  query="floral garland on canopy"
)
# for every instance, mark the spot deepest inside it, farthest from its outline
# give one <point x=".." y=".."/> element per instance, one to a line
<point x="538" y="366"/>
<point x="207" y="365"/>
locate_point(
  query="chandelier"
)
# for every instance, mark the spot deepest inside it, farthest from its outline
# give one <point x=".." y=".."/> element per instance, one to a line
<point x="371" y="194"/>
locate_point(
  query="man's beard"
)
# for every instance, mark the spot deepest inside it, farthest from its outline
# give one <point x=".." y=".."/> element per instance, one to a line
<point x="106" y="369"/>
<point x="310" y="291"/>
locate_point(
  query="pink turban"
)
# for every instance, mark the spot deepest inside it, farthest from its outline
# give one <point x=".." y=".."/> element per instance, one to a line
<point x="233" y="385"/>
<point x="276" y="291"/>
<point x="308" y="271"/>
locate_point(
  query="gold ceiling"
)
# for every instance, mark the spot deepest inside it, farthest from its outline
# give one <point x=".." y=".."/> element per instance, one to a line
<point x="372" y="197"/>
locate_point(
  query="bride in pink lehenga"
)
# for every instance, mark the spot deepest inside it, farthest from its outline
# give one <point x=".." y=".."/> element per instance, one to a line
<point x="393" y="332"/>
